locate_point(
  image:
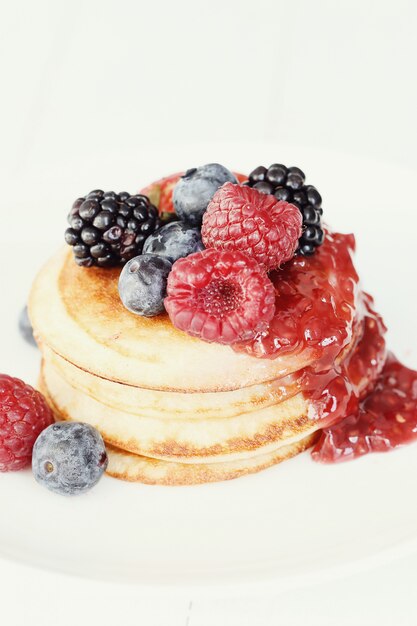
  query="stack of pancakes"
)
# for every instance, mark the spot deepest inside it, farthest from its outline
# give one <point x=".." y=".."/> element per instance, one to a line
<point x="172" y="409"/>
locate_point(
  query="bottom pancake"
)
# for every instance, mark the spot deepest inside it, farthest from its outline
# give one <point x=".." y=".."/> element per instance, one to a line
<point x="134" y="468"/>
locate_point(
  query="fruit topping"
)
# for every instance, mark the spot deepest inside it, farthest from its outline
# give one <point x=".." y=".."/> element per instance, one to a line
<point x="196" y="188"/>
<point x="69" y="458"/>
<point x="25" y="327"/>
<point x="24" y="414"/>
<point x="288" y="183"/>
<point x="143" y="284"/>
<point x="386" y="418"/>
<point x="174" y="240"/>
<point x="107" y="228"/>
<point x="220" y="295"/>
<point x="241" y="218"/>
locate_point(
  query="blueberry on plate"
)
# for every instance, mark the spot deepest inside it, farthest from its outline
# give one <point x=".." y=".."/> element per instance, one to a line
<point x="69" y="458"/>
<point x="25" y="327"/>
<point x="195" y="189"/>
<point x="143" y="284"/>
<point x="174" y="241"/>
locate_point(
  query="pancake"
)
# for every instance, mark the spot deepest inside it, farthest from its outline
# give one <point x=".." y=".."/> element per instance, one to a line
<point x="135" y="468"/>
<point x="182" y="435"/>
<point x="171" y="404"/>
<point x="78" y="313"/>
<point x="176" y="404"/>
<point x="173" y="409"/>
<point x="186" y="440"/>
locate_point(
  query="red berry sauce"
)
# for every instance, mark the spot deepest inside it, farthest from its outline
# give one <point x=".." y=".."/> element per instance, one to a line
<point x="334" y="391"/>
<point x="384" y="420"/>
<point x="365" y="402"/>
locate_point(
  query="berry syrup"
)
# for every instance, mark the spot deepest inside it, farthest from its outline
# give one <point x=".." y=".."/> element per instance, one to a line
<point x="364" y="401"/>
<point x="384" y="420"/>
<point x="335" y="391"/>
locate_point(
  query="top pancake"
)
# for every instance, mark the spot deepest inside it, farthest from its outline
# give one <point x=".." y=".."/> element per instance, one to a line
<point x="77" y="313"/>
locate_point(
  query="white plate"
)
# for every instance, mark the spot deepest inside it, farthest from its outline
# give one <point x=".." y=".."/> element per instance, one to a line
<point x="291" y="524"/>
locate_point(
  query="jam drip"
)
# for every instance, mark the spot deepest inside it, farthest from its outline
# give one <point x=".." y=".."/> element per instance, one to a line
<point x="363" y="401"/>
<point x="334" y="392"/>
<point x="385" y="419"/>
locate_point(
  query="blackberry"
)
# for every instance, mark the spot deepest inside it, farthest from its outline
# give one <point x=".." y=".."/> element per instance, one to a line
<point x="108" y="228"/>
<point x="288" y="183"/>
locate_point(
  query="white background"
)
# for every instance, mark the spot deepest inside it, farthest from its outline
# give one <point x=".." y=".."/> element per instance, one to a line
<point x="126" y="79"/>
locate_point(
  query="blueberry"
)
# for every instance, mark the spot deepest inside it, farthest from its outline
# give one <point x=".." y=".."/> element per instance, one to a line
<point x="69" y="458"/>
<point x="25" y="327"/>
<point x="143" y="284"/>
<point x="196" y="188"/>
<point x="174" y="241"/>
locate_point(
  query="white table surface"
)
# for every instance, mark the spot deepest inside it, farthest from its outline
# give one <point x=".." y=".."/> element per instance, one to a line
<point x="379" y="597"/>
<point x="111" y="78"/>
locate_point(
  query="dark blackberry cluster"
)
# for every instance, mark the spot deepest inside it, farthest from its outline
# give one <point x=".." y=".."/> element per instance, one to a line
<point x="287" y="183"/>
<point x="108" y="228"/>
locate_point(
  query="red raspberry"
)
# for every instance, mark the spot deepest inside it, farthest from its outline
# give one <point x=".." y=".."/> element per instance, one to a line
<point x="222" y="296"/>
<point x="243" y="218"/>
<point x="24" y="414"/>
